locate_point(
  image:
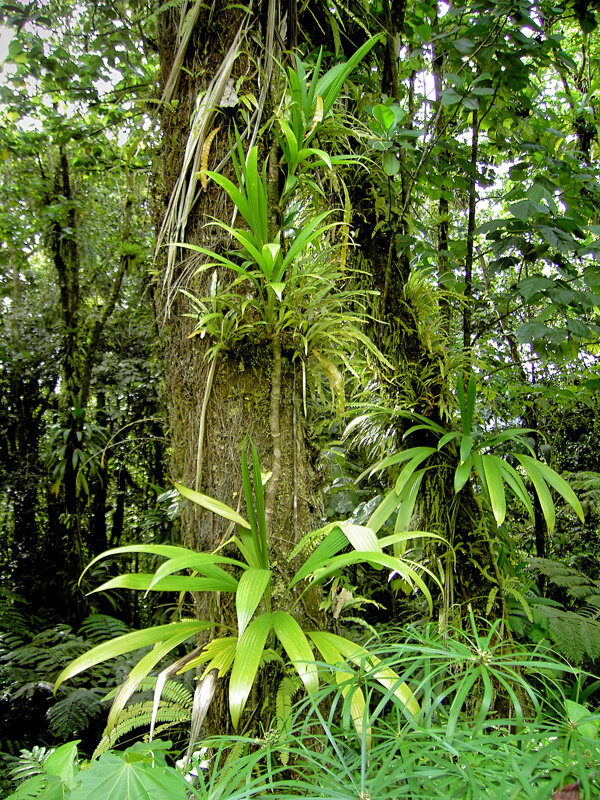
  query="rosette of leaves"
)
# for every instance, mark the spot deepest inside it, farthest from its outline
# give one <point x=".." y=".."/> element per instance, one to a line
<point x="264" y="624"/>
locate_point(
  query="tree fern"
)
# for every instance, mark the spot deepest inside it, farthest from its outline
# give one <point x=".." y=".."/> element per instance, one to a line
<point x="574" y="635"/>
<point x="100" y="628"/>
<point x="72" y="715"/>
<point x="578" y="585"/>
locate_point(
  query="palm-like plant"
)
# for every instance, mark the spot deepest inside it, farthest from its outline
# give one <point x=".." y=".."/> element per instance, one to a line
<point x="263" y="623"/>
<point x="495" y="474"/>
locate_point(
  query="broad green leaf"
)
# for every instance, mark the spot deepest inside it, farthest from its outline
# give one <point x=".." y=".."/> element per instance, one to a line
<point x="127" y="643"/>
<point x="251" y="589"/>
<point x="296" y="645"/>
<point x="384" y="116"/>
<point x="113" y="777"/>
<point x="210" y="504"/>
<point x="391" y="164"/>
<point x="463" y="45"/>
<point x="582" y="719"/>
<point x="495" y="487"/>
<point x="62" y="762"/>
<point x="245" y="666"/>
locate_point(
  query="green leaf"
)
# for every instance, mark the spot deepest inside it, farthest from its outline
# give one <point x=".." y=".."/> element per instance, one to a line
<point x="391" y="164"/>
<point x="581" y="718"/>
<point x="296" y="645"/>
<point x="175" y="583"/>
<point x="113" y="777"/>
<point x="528" y="288"/>
<point x="495" y="487"/>
<point x="245" y="666"/>
<point x="384" y="116"/>
<point x="127" y="643"/>
<point x="251" y="589"/>
<point x="464" y="46"/>
<point x="450" y="97"/>
<point x="330" y="643"/>
<point x="62" y="763"/>
<point x="462" y="473"/>
<point x="204" y="563"/>
<point x="210" y="504"/>
<point x="334" y="541"/>
<point x="556" y="482"/>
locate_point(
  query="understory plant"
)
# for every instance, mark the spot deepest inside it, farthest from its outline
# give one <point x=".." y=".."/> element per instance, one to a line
<point x="267" y="627"/>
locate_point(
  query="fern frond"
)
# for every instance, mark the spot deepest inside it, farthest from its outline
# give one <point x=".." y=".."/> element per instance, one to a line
<point x="139" y="715"/>
<point x="575" y="636"/>
<point x="99" y="628"/>
<point x="74" y="712"/>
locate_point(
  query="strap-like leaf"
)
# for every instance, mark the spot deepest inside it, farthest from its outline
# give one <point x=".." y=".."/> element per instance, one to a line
<point x="174" y="583"/>
<point x="495" y="487"/>
<point x="296" y="645"/>
<point x="210" y="504"/>
<point x="245" y="666"/>
<point x="360" y="656"/>
<point x="251" y="589"/>
<point x="204" y="563"/>
<point x="129" y="642"/>
<point x="556" y="482"/>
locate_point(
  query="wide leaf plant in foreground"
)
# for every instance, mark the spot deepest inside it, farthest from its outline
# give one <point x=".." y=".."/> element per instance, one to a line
<point x="264" y="623"/>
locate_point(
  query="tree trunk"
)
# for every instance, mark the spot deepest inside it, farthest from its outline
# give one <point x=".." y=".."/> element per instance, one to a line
<point x="253" y="389"/>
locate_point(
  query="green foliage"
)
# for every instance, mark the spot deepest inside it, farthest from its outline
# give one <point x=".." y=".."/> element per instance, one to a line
<point x="473" y="452"/>
<point x="141" y="771"/>
<point x="573" y="631"/>
<point x="259" y="622"/>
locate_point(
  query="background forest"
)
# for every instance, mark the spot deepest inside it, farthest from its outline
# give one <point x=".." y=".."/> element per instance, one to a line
<point x="299" y="325"/>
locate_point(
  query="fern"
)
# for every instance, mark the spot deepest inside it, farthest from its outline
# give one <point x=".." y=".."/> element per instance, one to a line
<point x="575" y="636"/>
<point x="587" y="486"/>
<point x="75" y="712"/>
<point x="139" y="715"/>
<point x="578" y="585"/>
<point x="30" y="762"/>
<point x="100" y="628"/>
<point x="31" y="788"/>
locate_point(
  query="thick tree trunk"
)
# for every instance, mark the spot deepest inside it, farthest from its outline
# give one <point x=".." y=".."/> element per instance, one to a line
<point x="253" y="388"/>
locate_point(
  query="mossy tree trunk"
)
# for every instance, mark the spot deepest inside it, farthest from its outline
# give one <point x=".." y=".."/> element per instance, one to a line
<point x="252" y="390"/>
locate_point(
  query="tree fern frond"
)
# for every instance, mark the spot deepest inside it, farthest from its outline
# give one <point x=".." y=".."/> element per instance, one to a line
<point x="99" y="628"/>
<point x="74" y="712"/>
<point x="576" y="637"/>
